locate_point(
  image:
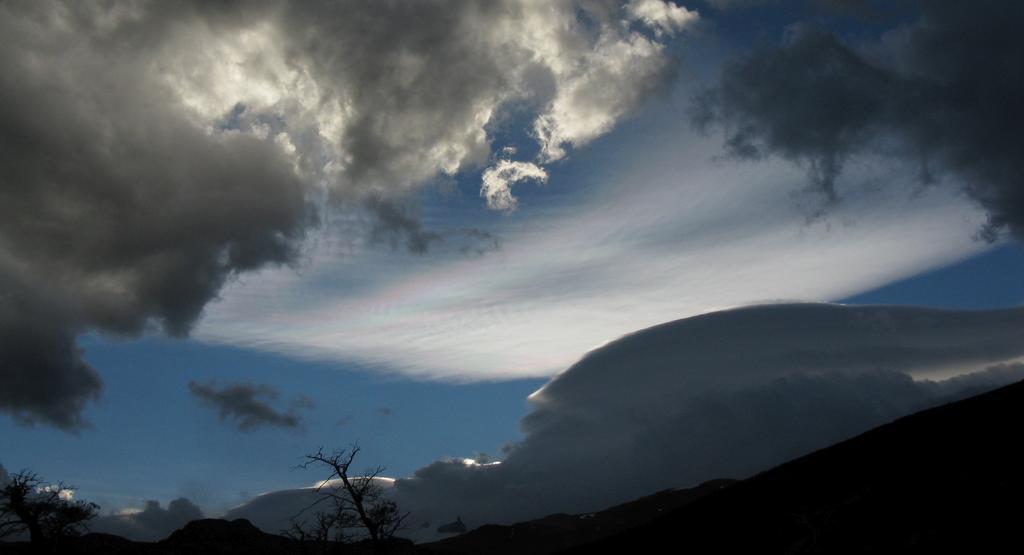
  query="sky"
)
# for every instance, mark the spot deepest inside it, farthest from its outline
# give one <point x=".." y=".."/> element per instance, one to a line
<point x="491" y="242"/>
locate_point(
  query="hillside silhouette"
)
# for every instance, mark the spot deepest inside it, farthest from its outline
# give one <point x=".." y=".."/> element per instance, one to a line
<point x="947" y="479"/>
<point x="556" y="532"/>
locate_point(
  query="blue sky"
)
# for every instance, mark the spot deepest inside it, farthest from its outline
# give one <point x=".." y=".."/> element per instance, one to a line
<point x="640" y="219"/>
<point x="986" y="281"/>
<point x="400" y="423"/>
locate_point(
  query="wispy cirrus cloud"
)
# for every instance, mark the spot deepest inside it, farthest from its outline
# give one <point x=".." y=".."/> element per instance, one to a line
<point x="688" y="235"/>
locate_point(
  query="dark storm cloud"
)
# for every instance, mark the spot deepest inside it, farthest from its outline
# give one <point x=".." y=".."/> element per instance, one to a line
<point x="814" y="101"/>
<point x="250" y="406"/>
<point x="942" y="93"/>
<point x="152" y="523"/>
<point x="42" y="373"/>
<point x="115" y="213"/>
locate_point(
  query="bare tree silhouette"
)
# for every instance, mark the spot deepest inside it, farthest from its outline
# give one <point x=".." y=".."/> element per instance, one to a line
<point x="356" y="502"/>
<point x="325" y="533"/>
<point x="46" y="511"/>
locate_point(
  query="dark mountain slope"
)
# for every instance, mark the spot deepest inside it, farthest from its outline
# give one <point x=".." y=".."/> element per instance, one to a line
<point x="561" y="531"/>
<point x="946" y="479"/>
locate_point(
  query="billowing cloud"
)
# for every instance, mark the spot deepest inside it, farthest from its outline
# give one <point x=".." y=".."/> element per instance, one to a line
<point x="416" y="103"/>
<point x="605" y="82"/>
<point x="664" y="17"/>
<point x="725" y="394"/>
<point x="250" y="406"/>
<point x="151" y="523"/>
<point x="939" y="94"/>
<point x="151" y="153"/>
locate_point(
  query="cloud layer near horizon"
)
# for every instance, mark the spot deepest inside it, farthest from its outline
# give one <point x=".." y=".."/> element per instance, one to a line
<point x="151" y="523"/>
<point x="724" y="394"/>
<point x="152" y="152"/>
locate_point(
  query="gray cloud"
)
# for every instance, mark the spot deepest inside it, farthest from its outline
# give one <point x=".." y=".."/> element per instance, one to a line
<point x="725" y="394"/>
<point x="151" y="523"/>
<point x="394" y="222"/>
<point x="250" y="405"/>
<point x="43" y="375"/>
<point x="397" y="224"/>
<point x="941" y="93"/>
<point x="423" y="97"/>
<point x="116" y="213"/>
<point x="152" y="152"/>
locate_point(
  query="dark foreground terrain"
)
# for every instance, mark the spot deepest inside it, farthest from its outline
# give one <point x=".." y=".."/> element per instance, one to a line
<point x="550" y="534"/>
<point x="208" y="536"/>
<point x="948" y="479"/>
<point x="557" y="532"/>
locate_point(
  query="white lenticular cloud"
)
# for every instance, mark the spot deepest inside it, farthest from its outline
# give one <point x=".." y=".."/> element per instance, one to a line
<point x="725" y="394"/>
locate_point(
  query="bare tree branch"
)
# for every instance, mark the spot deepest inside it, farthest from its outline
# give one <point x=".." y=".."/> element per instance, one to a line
<point x="359" y="501"/>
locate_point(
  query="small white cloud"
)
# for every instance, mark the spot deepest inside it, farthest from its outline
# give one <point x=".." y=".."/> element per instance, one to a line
<point x="63" y="494"/>
<point x="663" y="17"/>
<point x="497" y="182"/>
